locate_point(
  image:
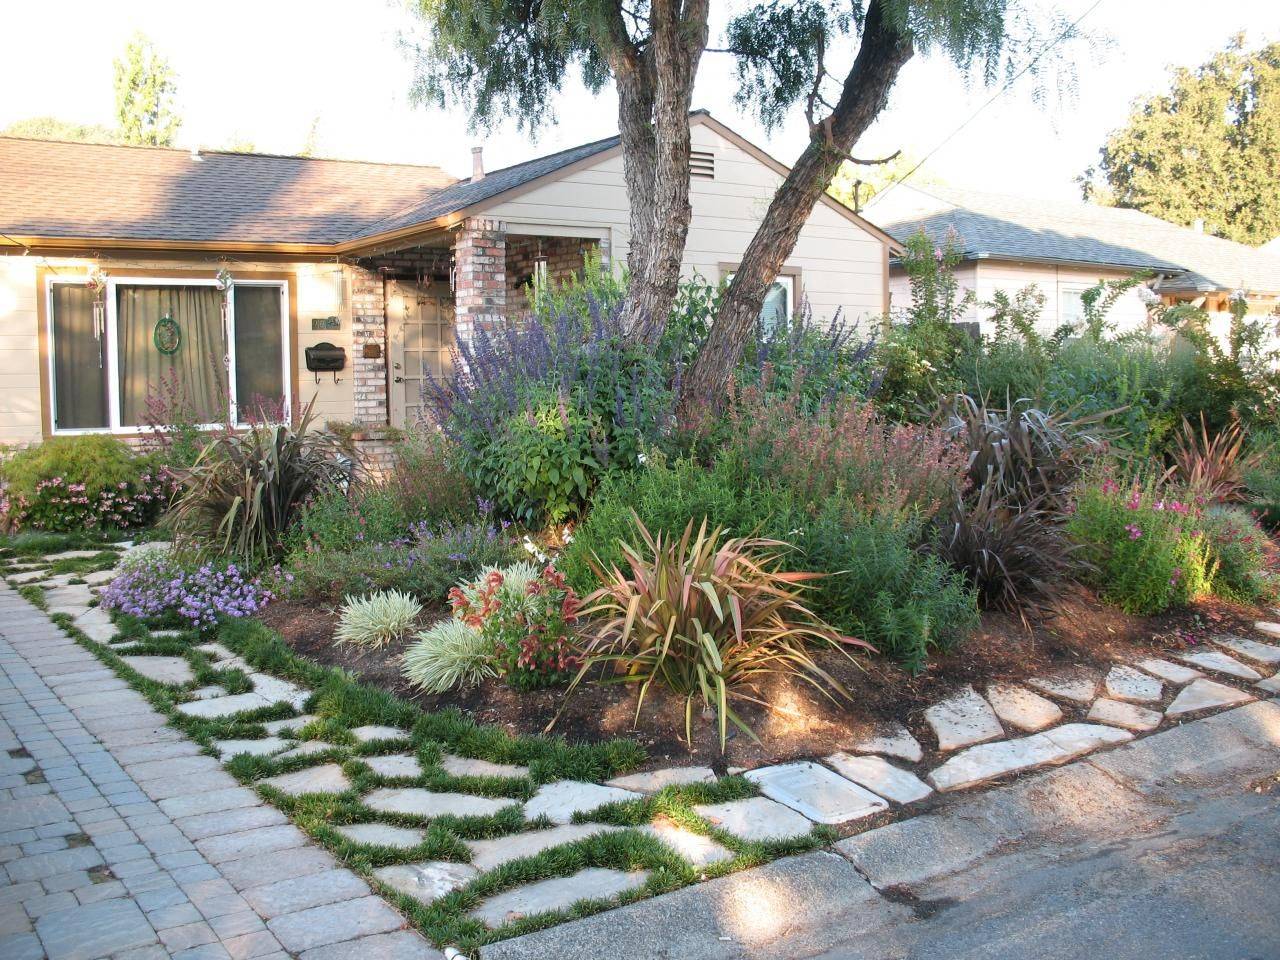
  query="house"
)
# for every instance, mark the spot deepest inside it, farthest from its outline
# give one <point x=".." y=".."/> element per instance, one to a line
<point x="1008" y="243"/>
<point x="122" y="265"/>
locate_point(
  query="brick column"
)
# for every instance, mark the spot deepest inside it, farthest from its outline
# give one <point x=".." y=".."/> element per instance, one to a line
<point x="368" y="325"/>
<point x="480" y="275"/>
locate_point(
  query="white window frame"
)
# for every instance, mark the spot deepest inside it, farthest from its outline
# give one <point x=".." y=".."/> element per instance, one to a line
<point x="1072" y="291"/>
<point x="788" y="282"/>
<point x="113" y="348"/>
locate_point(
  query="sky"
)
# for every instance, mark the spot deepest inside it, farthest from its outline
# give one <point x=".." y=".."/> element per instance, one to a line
<point x="265" y="70"/>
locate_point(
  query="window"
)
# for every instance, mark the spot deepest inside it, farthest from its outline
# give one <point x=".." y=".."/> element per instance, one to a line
<point x="779" y="303"/>
<point x="107" y="358"/>
<point x="1071" y="307"/>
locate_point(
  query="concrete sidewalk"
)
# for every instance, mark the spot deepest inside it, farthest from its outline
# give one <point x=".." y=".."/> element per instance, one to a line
<point x="1167" y="847"/>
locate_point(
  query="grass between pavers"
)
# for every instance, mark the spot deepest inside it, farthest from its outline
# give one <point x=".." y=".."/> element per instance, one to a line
<point x="343" y="703"/>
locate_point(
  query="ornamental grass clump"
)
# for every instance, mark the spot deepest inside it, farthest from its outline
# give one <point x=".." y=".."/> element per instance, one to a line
<point x="451" y="655"/>
<point x="377" y="620"/>
<point x="708" y="618"/>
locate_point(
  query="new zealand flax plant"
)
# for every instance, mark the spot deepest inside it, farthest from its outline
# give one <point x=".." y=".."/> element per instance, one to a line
<point x="707" y="617"/>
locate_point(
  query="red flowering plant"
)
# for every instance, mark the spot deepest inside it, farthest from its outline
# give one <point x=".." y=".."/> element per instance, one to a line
<point x="527" y="616"/>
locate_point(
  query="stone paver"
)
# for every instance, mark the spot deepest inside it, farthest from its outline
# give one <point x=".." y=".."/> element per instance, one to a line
<point x="559" y="801"/>
<point x="1127" y="684"/>
<point x="1205" y="694"/>
<point x="426" y="803"/>
<point x="193" y="854"/>
<point x="593" y="883"/>
<point x="1219" y="662"/>
<point x="487" y="854"/>
<point x="394" y="765"/>
<point x="382" y="835"/>
<point x="429" y="881"/>
<point x="755" y="818"/>
<point x="1075" y="684"/>
<point x="816" y="792"/>
<point x="654" y="780"/>
<point x="1117" y="713"/>
<point x="1270" y="685"/>
<point x="400" y="945"/>
<point x="991" y="760"/>
<point x="1269" y="628"/>
<point x="962" y="720"/>
<point x="289" y="725"/>
<point x="698" y="849"/>
<point x="471" y="767"/>
<point x="880" y="777"/>
<point x="1174" y="673"/>
<point x="892" y="740"/>
<point x="1021" y="709"/>
<point x="224" y="706"/>
<point x="171" y="670"/>
<point x="327" y="778"/>
<point x="372" y="732"/>
<point x="258" y="748"/>
<point x="1262" y="652"/>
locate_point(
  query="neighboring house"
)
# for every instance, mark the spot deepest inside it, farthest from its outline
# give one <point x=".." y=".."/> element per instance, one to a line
<point x="387" y="262"/>
<point x="1064" y="248"/>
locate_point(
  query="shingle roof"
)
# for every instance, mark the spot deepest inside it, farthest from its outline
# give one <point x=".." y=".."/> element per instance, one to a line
<point x="96" y="191"/>
<point x="54" y="189"/>
<point x="998" y="226"/>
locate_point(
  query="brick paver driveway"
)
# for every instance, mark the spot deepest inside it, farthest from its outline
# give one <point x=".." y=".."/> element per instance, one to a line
<point x="119" y="839"/>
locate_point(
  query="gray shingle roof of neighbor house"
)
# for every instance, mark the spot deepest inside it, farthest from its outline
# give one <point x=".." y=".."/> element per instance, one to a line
<point x="1002" y="227"/>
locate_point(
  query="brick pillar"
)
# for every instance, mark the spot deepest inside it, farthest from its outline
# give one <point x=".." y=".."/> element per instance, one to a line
<point x="480" y="275"/>
<point x="368" y="325"/>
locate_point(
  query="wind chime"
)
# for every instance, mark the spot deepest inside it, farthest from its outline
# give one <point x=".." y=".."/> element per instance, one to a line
<point x="97" y="284"/>
<point x="224" y="283"/>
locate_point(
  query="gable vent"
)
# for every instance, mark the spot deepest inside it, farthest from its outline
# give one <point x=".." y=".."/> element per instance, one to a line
<point x="702" y="165"/>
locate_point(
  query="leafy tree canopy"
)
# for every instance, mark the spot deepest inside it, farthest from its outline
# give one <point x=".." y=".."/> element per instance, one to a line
<point x="51" y="128"/>
<point x="145" y="94"/>
<point x="855" y="184"/>
<point x="1208" y="149"/>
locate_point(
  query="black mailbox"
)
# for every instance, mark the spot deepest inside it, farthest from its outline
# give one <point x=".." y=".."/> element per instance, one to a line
<point x="326" y="358"/>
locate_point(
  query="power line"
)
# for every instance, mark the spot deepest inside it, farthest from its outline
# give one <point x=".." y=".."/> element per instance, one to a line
<point x="995" y="96"/>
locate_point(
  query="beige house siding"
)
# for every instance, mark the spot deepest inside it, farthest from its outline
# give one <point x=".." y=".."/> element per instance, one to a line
<point x="317" y="294"/>
<point x="986" y="277"/>
<point x="841" y="265"/>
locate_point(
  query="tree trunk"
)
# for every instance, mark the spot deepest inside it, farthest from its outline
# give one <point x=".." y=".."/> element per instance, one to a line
<point x="679" y="32"/>
<point x="882" y="54"/>
<point x="634" y="80"/>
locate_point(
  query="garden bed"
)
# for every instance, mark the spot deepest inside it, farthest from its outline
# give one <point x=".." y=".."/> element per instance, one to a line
<point x="802" y="723"/>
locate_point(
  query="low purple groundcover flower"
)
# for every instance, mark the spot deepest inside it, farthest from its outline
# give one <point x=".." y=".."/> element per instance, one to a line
<point x="158" y="583"/>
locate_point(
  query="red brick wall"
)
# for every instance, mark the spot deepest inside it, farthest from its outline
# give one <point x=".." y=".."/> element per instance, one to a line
<point x="564" y="255"/>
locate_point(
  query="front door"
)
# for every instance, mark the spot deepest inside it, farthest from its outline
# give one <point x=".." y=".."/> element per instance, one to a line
<point x="419" y="338"/>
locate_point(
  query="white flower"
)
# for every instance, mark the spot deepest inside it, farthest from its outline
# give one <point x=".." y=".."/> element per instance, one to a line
<point x="532" y="548"/>
<point x="1148" y="296"/>
<point x="641" y="458"/>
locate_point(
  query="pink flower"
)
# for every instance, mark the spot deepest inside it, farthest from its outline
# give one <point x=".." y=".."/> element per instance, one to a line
<point x="1110" y="487"/>
<point x="1134" y="530"/>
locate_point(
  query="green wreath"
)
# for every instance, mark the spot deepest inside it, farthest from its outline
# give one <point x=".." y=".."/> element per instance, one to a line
<point x="167" y="335"/>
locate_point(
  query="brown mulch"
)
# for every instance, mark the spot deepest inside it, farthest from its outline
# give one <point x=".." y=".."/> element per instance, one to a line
<point x="798" y="721"/>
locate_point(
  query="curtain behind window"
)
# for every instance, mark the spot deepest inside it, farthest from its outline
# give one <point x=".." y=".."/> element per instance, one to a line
<point x="198" y="362"/>
<point x="79" y="361"/>
<point x="259" y="380"/>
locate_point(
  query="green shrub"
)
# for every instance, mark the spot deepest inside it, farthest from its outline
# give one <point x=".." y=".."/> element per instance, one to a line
<point x="376" y="620"/>
<point x="84" y="482"/>
<point x="427" y="481"/>
<point x="337" y="519"/>
<point x="1147" y="553"/>
<point x="665" y="497"/>
<point x="1239" y="552"/>
<point x="884" y="590"/>
<point x="1262" y="475"/>
<point x="426" y="563"/>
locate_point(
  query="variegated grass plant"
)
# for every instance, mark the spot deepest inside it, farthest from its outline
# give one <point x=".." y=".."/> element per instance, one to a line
<point x="450" y="654"/>
<point x="377" y="620"/>
<point x="707" y="617"/>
